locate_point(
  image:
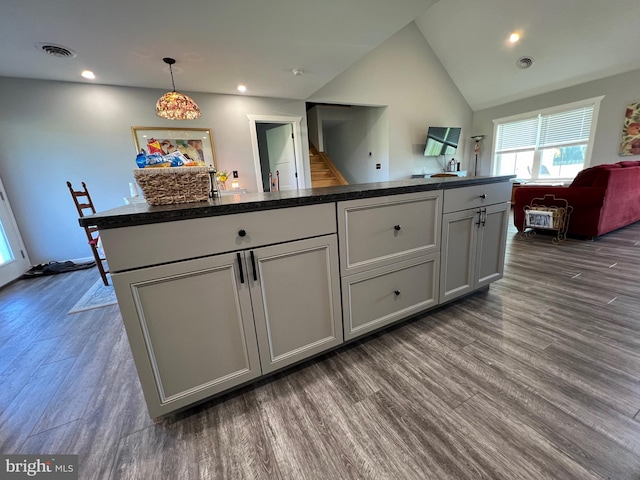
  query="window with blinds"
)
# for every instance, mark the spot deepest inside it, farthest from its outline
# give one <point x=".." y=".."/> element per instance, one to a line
<point x="545" y="145"/>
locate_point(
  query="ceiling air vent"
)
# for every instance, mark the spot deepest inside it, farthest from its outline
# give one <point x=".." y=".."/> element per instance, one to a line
<point x="524" y="62"/>
<point x="56" y="50"/>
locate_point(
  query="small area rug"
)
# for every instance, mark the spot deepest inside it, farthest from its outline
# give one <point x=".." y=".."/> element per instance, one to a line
<point x="97" y="296"/>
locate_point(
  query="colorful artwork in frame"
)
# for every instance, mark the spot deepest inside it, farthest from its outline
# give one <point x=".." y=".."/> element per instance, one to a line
<point x="630" y="144"/>
<point x="195" y="143"/>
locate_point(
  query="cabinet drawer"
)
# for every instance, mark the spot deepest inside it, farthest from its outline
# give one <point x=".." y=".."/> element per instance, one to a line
<point x="379" y="231"/>
<point x="384" y="295"/>
<point x="145" y="245"/>
<point x="456" y="199"/>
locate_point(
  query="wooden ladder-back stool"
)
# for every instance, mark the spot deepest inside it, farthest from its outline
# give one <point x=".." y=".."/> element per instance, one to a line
<point x="84" y="205"/>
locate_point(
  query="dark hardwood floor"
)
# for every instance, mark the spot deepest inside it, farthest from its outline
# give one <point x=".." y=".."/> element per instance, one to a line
<point x="536" y="378"/>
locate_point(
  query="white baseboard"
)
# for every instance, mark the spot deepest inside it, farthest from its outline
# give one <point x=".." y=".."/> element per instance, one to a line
<point x="82" y="260"/>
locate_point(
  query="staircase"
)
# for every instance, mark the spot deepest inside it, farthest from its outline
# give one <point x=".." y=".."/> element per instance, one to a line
<point x="323" y="172"/>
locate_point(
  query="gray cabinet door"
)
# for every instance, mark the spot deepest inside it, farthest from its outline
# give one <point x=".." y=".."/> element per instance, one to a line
<point x="190" y="327"/>
<point x="295" y="292"/>
<point x="458" y="254"/>
<point x="473" y="249"/>
<point x="492" y="243"/>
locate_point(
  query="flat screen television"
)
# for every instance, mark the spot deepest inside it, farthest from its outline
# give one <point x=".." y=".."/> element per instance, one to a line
<point x="442" y="141"/>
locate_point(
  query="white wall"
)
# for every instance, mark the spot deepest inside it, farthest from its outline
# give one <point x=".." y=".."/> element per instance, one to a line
<point x="404" y="74"/>
<point x="315" y="128"/>
<point x="51" y="132"/>
<point x="324" y="117"/>
<point x="354" y="141"/>
<point x="619" y="91"/>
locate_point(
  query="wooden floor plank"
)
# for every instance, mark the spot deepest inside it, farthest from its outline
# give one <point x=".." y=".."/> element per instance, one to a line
<point x="19" y="418"/>
<point x="233" y="440"/>
<point x="76" y="391"/>
<point x="115" y="410"/>
<point x="514" y="437"/>
<point x="333" y="417"/>
<point x="19" y="372"/>
<point x="59" y="439"/>
<point x="592" y="407"/>
<point x="618" y="391"/>
<point x="158" y="451"/>
<point x="512" y="393"/>
<point x="287" y="425"/>
<point x="594" y="451"/>
<point x="433" y="376"/>
<point x="347" y="377"/>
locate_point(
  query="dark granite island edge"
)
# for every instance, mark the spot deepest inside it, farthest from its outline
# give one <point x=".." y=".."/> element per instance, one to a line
<point x="142" y="213"/>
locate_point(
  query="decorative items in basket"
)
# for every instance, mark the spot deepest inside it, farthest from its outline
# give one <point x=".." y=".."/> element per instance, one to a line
<point x="548" y="213"/>
<point x="165" y="186"/>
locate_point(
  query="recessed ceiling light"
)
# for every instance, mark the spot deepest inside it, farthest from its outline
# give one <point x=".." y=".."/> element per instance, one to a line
<point x="242" y="88"/>
<point x="514" y="37"/>
<point x="88" y="74"/>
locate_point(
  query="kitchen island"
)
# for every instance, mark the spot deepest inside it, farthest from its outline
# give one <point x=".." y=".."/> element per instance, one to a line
<point x="216" y="294"/>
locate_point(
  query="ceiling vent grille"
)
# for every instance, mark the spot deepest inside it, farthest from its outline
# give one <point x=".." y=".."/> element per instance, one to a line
<point x="56" y="50"/>
<point x="524" y="62"/>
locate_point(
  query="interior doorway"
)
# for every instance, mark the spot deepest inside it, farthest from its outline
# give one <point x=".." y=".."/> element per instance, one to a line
<point x="277" y="148"/>
<point x="13" y="257"/>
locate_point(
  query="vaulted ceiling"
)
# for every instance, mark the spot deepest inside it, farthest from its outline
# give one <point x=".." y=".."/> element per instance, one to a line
<point x="220" y="44"/>
<point x="570" y="41"/>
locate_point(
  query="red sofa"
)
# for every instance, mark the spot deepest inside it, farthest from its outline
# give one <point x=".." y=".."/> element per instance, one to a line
<point x="604" y="198"/>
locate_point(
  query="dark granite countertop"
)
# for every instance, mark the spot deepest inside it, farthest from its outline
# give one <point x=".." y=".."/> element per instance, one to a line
<point x="142" y="213"/>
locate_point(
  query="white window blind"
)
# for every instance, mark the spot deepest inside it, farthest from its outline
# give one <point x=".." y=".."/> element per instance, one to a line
<point x="518" y="135"/>
<point x="562" y="128"/>
<point x="565" y="128"/>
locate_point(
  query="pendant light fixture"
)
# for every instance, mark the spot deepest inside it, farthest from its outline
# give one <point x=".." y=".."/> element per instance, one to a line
<point x="175" y="105"/>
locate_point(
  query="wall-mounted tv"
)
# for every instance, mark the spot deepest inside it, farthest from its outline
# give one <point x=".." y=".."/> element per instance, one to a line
<point x="442" y="141"/>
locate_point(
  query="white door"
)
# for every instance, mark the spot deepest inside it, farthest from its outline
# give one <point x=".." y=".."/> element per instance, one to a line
<point x="282" y="157"/>
<point x="13" y="256"/>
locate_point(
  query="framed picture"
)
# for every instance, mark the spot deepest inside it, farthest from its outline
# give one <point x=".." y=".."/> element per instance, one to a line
<point x="195" y="143"/>
<point x="630" y="144"/>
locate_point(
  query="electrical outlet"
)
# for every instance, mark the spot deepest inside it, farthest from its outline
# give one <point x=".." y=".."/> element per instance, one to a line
<point x="378" y="166"/>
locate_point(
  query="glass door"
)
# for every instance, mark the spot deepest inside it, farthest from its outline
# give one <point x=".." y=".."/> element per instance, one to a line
<point x="13" y="257"/>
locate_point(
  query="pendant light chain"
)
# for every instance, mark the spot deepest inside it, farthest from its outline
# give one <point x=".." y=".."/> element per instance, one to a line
<point x="173" y="84"/>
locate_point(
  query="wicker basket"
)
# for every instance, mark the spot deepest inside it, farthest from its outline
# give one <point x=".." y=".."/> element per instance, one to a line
<point x="164" y="186"/>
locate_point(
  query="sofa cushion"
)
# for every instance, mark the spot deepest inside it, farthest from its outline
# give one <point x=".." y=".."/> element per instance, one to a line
<point x="629" y="163"/>
<point x="587" y="176"/>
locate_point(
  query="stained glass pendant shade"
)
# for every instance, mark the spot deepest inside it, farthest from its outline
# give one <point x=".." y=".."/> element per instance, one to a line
<point x="175" y="105"/>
